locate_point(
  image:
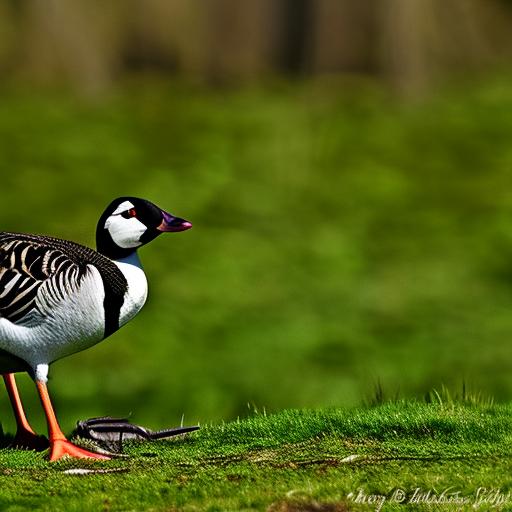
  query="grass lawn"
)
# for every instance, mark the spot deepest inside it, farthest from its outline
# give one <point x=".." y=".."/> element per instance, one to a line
<point x="340" y="239"/>
<point x="296" y="460"/>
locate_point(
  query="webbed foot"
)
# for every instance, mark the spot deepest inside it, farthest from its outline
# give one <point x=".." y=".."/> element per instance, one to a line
<point x="63" y="448"/>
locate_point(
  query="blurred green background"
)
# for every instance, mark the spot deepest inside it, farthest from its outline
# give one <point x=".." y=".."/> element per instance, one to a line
<point x="346" y="166"/>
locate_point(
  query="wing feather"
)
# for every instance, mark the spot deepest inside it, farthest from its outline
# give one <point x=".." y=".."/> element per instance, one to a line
<point x="34" y="276"/>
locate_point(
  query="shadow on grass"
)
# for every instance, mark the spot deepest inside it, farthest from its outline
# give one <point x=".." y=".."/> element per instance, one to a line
<point x="30" y="442"/>
<point x="5" y="439"/>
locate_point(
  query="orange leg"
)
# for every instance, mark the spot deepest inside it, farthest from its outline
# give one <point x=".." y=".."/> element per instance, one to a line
<point x="25" y="436"/>
<point x="59" y="445"/>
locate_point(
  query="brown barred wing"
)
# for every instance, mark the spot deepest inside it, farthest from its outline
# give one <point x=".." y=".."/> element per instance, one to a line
<point x="34" y="277"/>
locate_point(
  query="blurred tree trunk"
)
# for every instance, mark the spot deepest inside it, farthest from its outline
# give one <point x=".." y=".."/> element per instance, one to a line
<point x="71" y="39"/>
<point x="160" y="35"/>
<point x="294" y="39"/>
<point x="343" y="36"/>
<point x="241" y="38"/>
<point x="9" y="53"/>
<point x="422" y="39"/>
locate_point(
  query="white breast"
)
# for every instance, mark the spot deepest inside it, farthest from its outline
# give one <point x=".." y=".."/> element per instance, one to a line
<point x="137" y="287"/>
<point x="72" y="325"/>
<point x="76" y="323"/>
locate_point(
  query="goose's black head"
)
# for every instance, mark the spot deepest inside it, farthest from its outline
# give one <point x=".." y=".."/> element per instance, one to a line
<point x="129" y="222"/>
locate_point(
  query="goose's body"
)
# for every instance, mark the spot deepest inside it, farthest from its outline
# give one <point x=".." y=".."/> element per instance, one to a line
<point x="58" y="297"/>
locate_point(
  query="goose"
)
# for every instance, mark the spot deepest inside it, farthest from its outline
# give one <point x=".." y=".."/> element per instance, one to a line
<point x="58" y="297"/>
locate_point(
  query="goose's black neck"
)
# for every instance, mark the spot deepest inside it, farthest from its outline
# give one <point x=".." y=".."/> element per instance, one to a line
<point x="106" y="246"/>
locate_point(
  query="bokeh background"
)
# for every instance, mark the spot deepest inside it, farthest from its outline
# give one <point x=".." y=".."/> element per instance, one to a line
<point x="347" y="166"/>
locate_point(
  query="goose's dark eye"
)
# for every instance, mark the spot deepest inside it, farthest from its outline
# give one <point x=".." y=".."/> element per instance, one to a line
<point x="129" y="213"/>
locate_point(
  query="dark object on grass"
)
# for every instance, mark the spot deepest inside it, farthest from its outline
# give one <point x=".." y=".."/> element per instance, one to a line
<point x="109" y="433"/>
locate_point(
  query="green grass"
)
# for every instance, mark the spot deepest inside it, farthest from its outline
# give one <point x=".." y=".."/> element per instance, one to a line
<point x="340" y="239"/>
<point x="293" y="460"/>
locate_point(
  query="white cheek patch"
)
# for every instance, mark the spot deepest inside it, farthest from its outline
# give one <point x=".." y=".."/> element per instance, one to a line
<point x="125" y="233"/>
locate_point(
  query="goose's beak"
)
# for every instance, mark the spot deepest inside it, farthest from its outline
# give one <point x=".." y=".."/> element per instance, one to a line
<point x="171" y="224"/>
